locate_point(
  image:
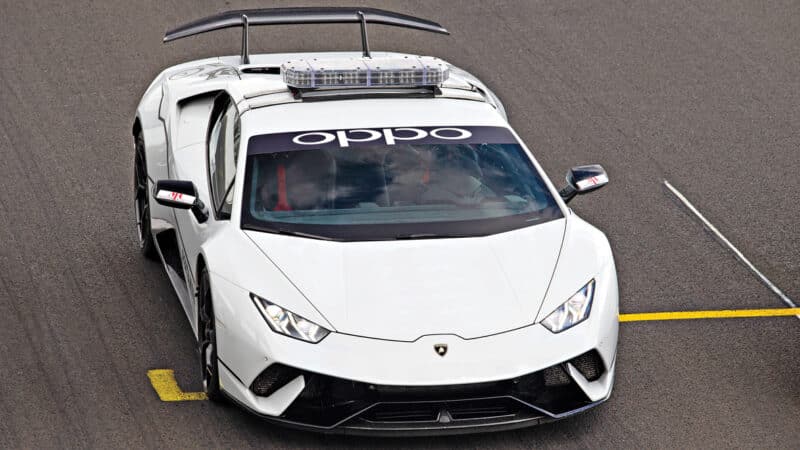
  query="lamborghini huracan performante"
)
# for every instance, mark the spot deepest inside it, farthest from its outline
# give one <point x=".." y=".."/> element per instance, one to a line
<point x="362" y="243"/>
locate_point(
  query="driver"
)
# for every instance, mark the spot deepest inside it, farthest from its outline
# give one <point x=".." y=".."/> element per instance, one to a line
<point x="300" y="180"/>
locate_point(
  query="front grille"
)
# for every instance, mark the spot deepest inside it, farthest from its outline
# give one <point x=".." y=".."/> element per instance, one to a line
<point x="445" y="411"/>
<point x="329" y="401"/>
<point x="446" y="392"/>
<point x="589" y="365"/>
<point x="483" y="409"/>
<point x="402" y="412"/>
<point x="273" y="378"/>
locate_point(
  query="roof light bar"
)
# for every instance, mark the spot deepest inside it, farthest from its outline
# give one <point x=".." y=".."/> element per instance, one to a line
<point x="407" y="71"/>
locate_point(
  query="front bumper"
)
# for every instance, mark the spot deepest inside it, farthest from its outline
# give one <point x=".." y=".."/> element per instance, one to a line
<point x="352" y="384"/>
<point x="334" y="405"/>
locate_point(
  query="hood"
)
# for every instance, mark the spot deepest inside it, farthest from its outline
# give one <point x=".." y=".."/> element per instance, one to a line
<point x="401" y="290"/>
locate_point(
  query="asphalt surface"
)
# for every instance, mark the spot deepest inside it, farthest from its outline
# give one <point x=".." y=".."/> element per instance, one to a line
<point x="703" y="94"/>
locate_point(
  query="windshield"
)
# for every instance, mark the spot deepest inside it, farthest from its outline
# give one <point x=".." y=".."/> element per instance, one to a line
<point x="393" y="183"/>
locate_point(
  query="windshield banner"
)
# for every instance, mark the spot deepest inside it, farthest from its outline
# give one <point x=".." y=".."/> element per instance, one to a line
<point x="365" y="137"/>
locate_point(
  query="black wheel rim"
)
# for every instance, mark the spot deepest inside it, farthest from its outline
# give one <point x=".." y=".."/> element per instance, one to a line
<point x="141" y="203"/>
<point x="208" y="350"/>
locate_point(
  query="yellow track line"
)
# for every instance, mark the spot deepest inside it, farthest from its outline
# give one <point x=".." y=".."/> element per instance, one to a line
<point x="163" y="381"/>
<point x="719" y="314"/>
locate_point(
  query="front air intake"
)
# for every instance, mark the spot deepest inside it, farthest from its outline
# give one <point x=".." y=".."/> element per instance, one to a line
<point x="273" y="378"/>
<point x="555" y="376"/>
<point x="589" y="365"/>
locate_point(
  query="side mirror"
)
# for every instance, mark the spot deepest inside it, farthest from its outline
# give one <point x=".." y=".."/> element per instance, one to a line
<point x="181" y="195"/>
<point x="583" y="179"/>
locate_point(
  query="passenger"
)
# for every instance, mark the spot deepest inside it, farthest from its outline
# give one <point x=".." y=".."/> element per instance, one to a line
<point x="455" y="177"/>
<point x="405" y="173"/>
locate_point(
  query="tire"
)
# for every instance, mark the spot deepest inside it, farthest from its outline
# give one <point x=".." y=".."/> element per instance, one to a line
<point x="207" y="339"/>
<point x="141" y="201"/>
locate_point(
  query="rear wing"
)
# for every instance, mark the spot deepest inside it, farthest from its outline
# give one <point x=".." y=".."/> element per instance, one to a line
<point x="294" y="16"/>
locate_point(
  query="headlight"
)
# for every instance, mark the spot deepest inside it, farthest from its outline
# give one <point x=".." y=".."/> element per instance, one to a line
<point x="288" y="323"/>
<point x="573" y="311"/>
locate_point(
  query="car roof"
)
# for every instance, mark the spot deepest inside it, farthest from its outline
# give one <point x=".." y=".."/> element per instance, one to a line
<point x="267" y="105"/>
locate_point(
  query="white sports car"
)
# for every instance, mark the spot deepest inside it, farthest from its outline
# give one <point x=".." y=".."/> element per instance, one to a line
<point x="362" y="244"/>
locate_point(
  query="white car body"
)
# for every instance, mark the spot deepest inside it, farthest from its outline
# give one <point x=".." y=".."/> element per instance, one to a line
<point x="387" y="303"/>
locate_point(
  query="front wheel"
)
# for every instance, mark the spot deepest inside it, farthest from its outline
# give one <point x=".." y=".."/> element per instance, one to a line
<point x="141" y="201"/>
<point x="207" y="338"/>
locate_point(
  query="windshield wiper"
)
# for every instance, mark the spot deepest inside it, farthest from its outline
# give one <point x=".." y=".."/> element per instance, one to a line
<point x="295" y="233"/>
<point x="429" y="236"/>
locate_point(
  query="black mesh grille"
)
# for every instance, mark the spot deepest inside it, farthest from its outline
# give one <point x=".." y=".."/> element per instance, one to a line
<point x="273" y="378"/>
<point x="589" y="365"/>
<point x="556" y="376"/>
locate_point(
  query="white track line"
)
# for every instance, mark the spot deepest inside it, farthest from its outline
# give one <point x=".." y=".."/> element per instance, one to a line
<point x="730" y="246"/>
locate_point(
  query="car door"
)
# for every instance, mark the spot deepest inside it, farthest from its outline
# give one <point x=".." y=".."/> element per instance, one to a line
<point x="211" y="166"/>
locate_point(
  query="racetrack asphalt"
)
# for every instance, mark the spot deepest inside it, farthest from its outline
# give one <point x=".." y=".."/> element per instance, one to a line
<point x="704" y="94"/>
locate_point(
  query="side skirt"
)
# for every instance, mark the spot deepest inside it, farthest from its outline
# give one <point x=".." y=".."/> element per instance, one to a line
<point x="170" y="252"/>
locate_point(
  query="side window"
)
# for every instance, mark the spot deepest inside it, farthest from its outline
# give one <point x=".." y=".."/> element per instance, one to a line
<point x="223" y="150"/>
